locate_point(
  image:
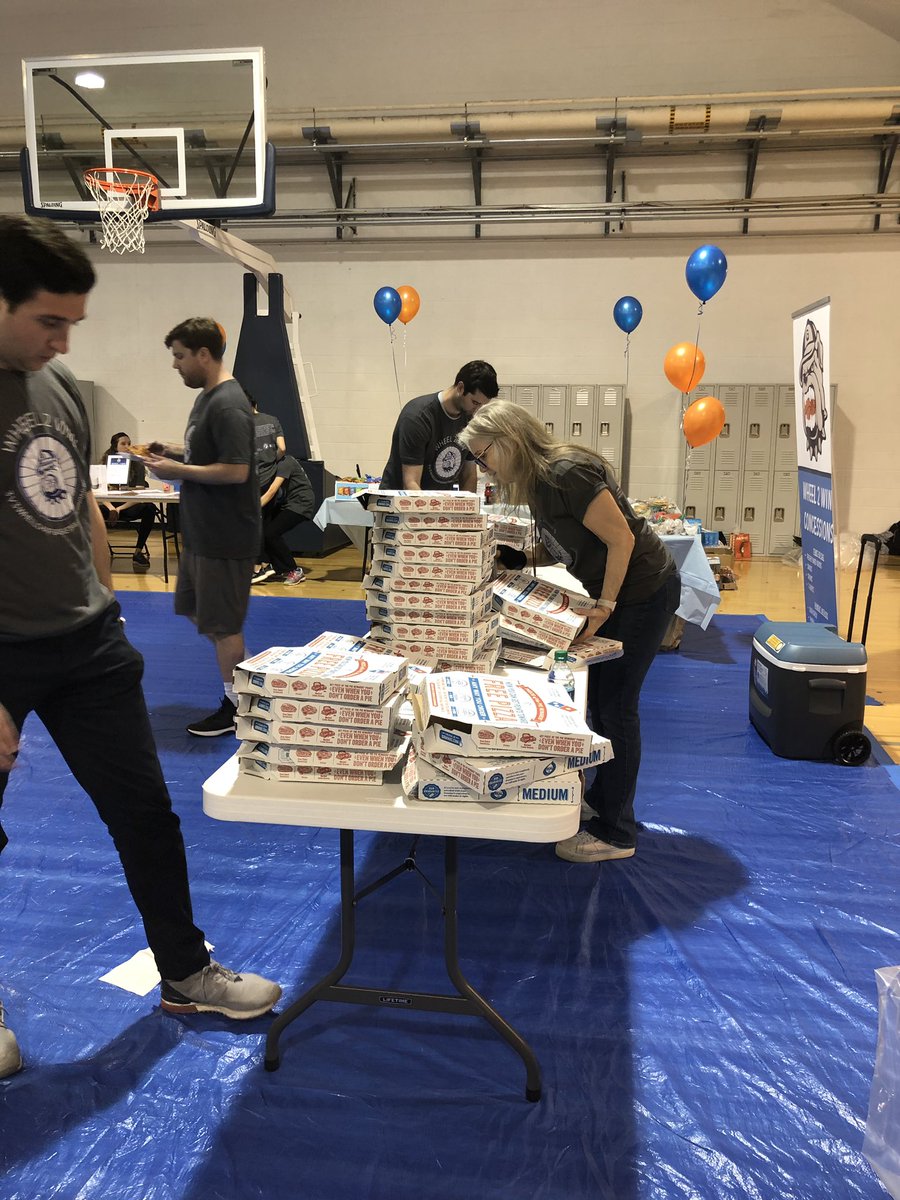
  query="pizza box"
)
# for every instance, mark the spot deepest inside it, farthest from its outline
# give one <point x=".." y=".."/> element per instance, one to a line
<point x="482" y="663"/>
<point x="421" y="779"/>
<point x="380" y="615"/>
<point x="459" y="713"/>
<point x="541" y="639"/>
<point x="455" y="538"/>
<point x="438" y="520"/>
<point x="436" y="586"/>
<point x="457" y="658"/>
<point x="489" y="775"/>
<point x="511" y="531"/>
<point x="415" y="631"/>
<point x="591" y="650"/>
<point x="305" y="733"/>
<point x="457" y="572"/>
<point x="537" y="603"/>
<point x="423" y="502"/>
<point x="285" y="773"/>
<point x="327" y="756"/>
<point x="322" y="712"/>
<point x="482" y="556"/>
<point x="447" y="610"/>
<point x="359" y="678"/>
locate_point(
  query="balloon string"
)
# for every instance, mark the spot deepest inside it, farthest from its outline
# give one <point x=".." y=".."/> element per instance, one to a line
<point x="697" y="341"/>
<point x="687" y="456"/>
<point x="404" y="351"/>
<point x="394" y="359"/>
<point x="627" y="361"/>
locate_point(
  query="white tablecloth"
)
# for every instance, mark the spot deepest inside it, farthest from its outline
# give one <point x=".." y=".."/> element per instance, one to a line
<point x="350" y="515"/>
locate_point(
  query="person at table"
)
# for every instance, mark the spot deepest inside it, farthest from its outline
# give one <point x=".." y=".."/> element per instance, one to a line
<point x="288" y="500"/>
<point x="426" y="454"/>
<point x="63" y="650"/>
<point x="270" y="444"/>
<point x="584" y="521"/>
<point x="143" y="514"/>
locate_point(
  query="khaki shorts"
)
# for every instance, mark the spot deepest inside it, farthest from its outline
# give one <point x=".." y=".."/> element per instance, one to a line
<point x="214" y="592"/>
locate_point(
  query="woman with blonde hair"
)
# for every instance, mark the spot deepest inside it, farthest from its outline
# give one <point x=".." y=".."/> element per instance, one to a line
<point x="584" y="521"/>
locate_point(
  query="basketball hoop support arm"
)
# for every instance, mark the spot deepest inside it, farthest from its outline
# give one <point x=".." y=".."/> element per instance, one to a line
<point x="261" y="264"/>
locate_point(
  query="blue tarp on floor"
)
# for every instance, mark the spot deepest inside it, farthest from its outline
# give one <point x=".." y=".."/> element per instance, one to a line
<point x="704" y="1014"/>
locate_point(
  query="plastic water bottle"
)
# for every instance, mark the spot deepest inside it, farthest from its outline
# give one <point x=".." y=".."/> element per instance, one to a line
<point x="561" y="672"/>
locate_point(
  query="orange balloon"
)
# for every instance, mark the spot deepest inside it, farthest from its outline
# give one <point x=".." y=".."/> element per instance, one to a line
<point x="411" y="302"/>
<point x="703" y="421"/>
<point x="684" y="366"/>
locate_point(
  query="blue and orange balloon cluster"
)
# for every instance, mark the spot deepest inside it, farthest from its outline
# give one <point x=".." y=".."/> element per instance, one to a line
<point x="393" y="304"/>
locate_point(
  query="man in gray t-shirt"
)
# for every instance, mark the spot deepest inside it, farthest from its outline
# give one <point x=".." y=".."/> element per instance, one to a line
<point x="425" y="455"/>
<point x="220" y="521"/>
<point x="63" y="651"/>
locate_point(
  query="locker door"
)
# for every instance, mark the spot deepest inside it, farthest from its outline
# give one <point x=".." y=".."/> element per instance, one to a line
<point x="760" y="421"/>
<point x="783" y="509"/>
<point x="609" y="428"/>
<point x="553" y="409"/>
<point x="696" y="495"/>
<point x="699" y="458"/>
<point x="582" y="413"/>
<point x="754" y="512"/>
<point x="784" y="442"/>
<point x="729" y="445"/>
<point x="725" y="500"/>
<point x="528" y="395"/>
<point x="506" y="392"/>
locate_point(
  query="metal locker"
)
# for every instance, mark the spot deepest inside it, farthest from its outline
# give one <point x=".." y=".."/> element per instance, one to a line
<point x="729" y="445"/>
<point x="698" y="458"/>
<point x="761" y="400"/>
<point x="553" y="409"/>
<point x="581" y="414"/>
<point x="784" y="443"/>
<point x="783" y="509"/>
<point x="754" y="511"/>
<point x="696" y="495"/>
<point x="725" y="499"/>
<point x="505" y="392"/>
<point x="609" y="425"/>
<point x="528" y="395"/>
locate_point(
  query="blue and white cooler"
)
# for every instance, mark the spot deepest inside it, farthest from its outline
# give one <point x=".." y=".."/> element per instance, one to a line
<point x="808" y="692"/>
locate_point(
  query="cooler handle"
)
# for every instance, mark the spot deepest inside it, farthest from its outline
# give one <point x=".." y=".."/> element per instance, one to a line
<point x="828" y="685"/>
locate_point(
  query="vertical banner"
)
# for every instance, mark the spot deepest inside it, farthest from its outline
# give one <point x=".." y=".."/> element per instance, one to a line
<point x="815" y="435"/>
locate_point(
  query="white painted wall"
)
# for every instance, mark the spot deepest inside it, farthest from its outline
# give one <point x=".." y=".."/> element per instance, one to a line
<point x="541" y="312"/>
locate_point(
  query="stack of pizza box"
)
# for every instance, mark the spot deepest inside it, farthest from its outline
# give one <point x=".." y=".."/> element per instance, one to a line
<point x="326" y="712"/>
<point x="492" y="739"/>
<point x="537" y="618"/>
<point x="428" y="591"/>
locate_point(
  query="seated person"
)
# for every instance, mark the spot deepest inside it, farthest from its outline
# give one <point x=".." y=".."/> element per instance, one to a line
<point x="145" y="514"/>
<point x="287" y="501"/>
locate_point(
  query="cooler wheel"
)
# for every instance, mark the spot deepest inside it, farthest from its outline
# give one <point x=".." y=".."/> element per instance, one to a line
<point x="851" y="748"/>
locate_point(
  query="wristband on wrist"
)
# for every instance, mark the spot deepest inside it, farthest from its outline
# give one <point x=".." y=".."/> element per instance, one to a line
<point x="601" y="603"/>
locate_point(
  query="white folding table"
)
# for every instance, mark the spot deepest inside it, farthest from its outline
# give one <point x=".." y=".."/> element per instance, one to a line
<point x="229" y="795"/>
<point x="156" y="496"/>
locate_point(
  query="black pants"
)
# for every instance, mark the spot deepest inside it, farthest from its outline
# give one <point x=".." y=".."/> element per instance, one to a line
<point x="142" y="514"/>
<point x="277" y="522"/>
<point x="86" y="688"/>
<point x="614" y="690"/>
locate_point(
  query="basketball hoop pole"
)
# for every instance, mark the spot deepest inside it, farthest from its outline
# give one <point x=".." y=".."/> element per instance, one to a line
<point x="262" y="265"/>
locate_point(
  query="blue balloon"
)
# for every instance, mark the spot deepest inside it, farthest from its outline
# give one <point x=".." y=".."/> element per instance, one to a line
<point x="705" y="271"/>
<point x="388" y="304"/>
<point x="627" y="313"/>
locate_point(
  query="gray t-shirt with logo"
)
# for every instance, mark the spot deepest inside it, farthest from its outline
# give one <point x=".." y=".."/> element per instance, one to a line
<point x="425" y="434"/>
<point x="48" y="584"/>
<point x="221" y="520"/>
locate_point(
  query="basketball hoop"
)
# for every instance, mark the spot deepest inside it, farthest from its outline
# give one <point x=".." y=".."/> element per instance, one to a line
<point x="124" y="198"/>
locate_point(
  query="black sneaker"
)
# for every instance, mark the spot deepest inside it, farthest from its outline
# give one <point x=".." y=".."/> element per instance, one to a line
<point x="217" y="723"/>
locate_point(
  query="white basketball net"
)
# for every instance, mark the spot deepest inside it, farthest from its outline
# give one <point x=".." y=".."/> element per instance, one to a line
<point x="124" y="199"/>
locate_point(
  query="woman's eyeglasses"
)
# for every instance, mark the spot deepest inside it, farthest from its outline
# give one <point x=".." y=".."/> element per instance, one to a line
<point x="479" y="458"/>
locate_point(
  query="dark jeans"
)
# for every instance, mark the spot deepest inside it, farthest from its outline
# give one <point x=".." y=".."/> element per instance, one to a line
<point x="614" y="690"/>
<point x="144" y="514"/>
<point x="275" y="523"/>
<point x="86" y="688"/>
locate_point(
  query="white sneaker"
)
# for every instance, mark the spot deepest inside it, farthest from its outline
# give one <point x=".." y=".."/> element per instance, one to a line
<point x="10" y="1056"/>
<point x="583" y="847"/>
<point x="216" y="989"/>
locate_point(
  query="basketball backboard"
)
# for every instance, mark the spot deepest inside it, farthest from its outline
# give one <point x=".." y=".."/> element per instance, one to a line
<point x="195" y="119"/>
